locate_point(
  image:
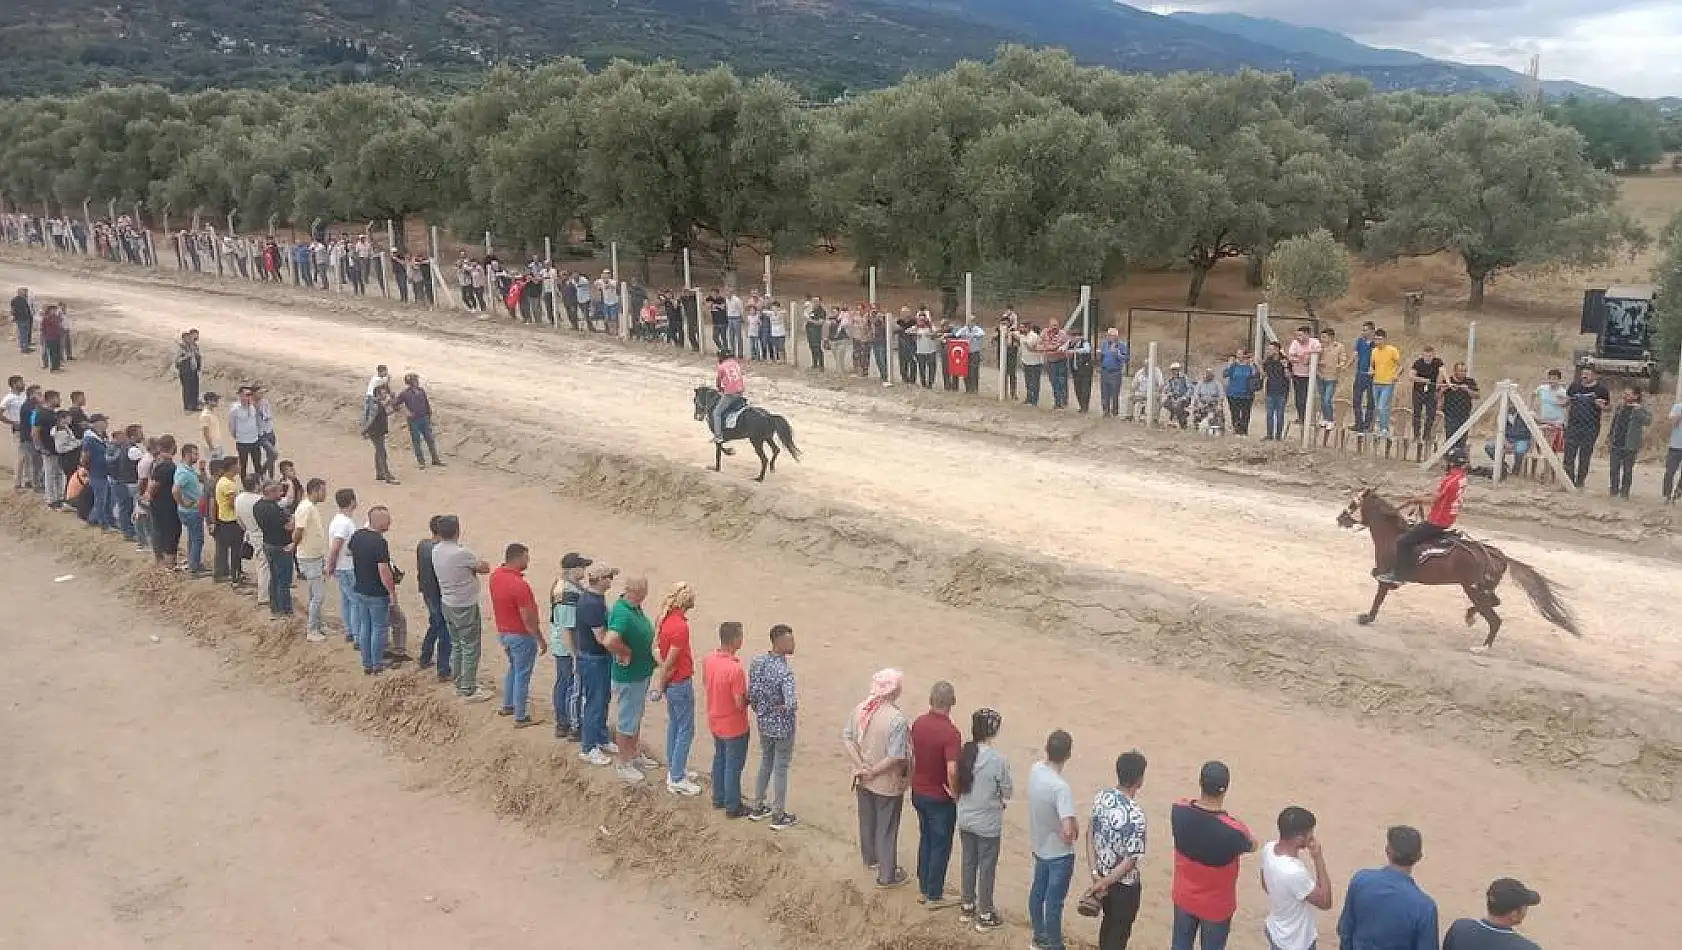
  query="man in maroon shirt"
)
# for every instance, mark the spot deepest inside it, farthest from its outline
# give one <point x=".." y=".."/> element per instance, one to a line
<point x="935" y="742"/>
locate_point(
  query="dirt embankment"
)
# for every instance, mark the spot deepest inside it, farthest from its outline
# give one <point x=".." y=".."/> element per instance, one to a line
<point x="1522" y="508"/>
<point x="1512" y="712"/>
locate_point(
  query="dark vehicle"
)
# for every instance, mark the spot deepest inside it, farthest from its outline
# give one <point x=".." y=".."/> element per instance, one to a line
<point x="1621" y="320"/>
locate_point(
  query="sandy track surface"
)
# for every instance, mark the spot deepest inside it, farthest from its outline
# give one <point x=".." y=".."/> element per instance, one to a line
<point x="1278" y="553"/>
<point x="1481" y="818"/>
<point x="154" y="797"/>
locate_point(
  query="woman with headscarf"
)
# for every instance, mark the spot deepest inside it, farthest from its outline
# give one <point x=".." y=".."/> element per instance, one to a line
<point x="877" y="739"/>
<point x="983" y="788"/>
<point x="675" y="682"/>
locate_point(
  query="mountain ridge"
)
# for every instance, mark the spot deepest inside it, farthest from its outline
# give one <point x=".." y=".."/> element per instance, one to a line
<point x="825" y="46"/>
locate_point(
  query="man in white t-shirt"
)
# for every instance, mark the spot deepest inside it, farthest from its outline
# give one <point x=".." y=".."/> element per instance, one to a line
<point x="1293" y="888"/>
<point x="339" y="531"/>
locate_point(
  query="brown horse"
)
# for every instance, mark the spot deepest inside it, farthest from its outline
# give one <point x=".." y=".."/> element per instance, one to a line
<point x="1476" y="567"/>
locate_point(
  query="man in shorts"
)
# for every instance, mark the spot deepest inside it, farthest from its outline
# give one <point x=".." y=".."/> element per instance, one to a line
<point x="630" y="641"/>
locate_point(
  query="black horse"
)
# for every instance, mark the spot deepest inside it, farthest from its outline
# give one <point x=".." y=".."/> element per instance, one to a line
<point x="754" y="424"/>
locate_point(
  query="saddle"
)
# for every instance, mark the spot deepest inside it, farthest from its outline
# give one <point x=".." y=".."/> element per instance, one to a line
<point x="735" y="415"/>
<point x="1442" y="546"/>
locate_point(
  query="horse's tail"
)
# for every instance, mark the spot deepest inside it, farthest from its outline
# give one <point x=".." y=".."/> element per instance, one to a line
<point x="785" y="434"/>
<point x="1543" y="596"/>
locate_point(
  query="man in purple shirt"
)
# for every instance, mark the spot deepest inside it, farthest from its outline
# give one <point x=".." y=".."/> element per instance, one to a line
<point x="418" y="409"/>
<point x="1385" y="908"/>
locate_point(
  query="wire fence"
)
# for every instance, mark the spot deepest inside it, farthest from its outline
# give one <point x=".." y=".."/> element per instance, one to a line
<point x="894" y="336"/>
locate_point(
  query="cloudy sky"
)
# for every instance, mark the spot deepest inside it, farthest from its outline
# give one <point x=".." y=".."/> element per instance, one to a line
<point x="1629" y="46"/>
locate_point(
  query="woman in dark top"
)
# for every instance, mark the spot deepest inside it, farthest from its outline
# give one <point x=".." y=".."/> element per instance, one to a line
<point x="166" y="520"/>
<point x="1276" y="386"/>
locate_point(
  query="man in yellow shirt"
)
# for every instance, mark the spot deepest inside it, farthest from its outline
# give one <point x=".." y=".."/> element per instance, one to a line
<point x="1386" y="367"/>
<point x="226" y="531"/>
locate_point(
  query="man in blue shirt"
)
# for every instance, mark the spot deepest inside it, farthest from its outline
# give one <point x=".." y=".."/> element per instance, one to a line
<point x="98" y="467"/>
<point x="1112" y="371"/>
<point x="1384" y="908"/>
<point x="1363" y="378"/>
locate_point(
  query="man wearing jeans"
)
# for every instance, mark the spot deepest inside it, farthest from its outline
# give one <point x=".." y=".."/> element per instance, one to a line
<point x="96" y="462"/>
<point x="458" y="571"/>
<point x="338" y="564"/>
<point x="1208" y="844"/>
<point x="727" y="718"/>
<point x="1362" y="396"/>
<point x="437" y="631"/>
<point x="1673" y="458"/>
<point x="935" y="742"/>
<point x="125" y="477"/>
<point x="772" y="696"/>
<point x="594" y="664"/>
<point x="418" y="408"/>
<point x="275" y="526"/>
<point x="374" y="586"/>
<point x="309" y="537"/>
<point x="515" y="611"/>
<point x="1052" y="832"/>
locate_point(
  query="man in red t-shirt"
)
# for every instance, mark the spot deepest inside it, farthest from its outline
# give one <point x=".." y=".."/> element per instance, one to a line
<point x="1208" y="844"/>
<point x="515" y="610"/>
<point x="727" y="718"/>
<point x="1445" y="510"/>
<point x="935" y="742"/>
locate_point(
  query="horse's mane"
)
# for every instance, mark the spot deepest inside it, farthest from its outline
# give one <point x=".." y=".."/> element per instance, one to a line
<point x="1383" y="508"/>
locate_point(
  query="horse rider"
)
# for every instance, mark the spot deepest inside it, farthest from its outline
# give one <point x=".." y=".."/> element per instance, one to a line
<point x="732" y="393"/>
<point x="1445" y="509"/>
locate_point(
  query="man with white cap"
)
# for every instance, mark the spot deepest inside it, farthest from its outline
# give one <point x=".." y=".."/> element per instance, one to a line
<point x="878" y="743"/>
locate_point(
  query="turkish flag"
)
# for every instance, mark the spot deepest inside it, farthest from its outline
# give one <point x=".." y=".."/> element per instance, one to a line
<point x="957" y="357"/>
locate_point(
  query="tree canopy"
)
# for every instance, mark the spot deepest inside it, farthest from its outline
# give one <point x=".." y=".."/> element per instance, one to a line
<point x="1500" y="191"/>
<point x="1029" y="170"/>
<point x="1311" y="269"/>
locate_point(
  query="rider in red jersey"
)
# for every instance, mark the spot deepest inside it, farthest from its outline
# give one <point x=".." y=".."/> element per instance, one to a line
<point x="1444" y="511"/>
<point x="732" y="392"/>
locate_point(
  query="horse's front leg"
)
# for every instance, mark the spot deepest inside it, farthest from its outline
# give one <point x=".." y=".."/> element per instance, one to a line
<point x="1377" y="601"/>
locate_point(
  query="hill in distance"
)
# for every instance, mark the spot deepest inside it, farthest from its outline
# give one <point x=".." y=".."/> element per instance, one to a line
<point x="824" y="45"/>
<point x="1335" y="47"/>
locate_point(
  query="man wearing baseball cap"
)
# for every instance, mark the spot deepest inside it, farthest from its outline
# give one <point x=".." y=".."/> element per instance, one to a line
<point x="1507" y="901"/>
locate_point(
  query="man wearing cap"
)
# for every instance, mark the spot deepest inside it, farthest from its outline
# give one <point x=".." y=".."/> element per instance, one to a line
<point x="96" y="463"/>
<point x="1385" y="908"/>
<point x="563" y="617"/>
<point x="1208" y="845"/>
<point x="1507" y="901"/>
<point x="459" y="570"/>
<point x="594" y="664"/>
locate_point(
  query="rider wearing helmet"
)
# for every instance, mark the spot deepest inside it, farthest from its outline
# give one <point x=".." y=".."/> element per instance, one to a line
<point x="1445" y="508"/>
<point x="732" y="392"/>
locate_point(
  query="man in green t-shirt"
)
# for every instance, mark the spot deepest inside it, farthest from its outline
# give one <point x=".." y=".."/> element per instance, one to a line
<point x="630" y="639"/>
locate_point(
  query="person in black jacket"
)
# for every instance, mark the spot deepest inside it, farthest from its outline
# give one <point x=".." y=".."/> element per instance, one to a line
<point x="23" y="317"/>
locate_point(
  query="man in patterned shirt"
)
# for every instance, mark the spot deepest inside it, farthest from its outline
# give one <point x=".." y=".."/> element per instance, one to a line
<point x="772" y="697"/>
<point x="1116" y="846"/>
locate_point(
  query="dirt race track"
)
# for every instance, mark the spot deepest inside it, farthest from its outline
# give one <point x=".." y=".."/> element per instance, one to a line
<point x="1135" y="590"/>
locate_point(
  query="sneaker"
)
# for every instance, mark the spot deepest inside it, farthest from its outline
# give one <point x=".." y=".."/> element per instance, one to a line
<point x="628" y="773"/>
<point x="315" y="636"/>
<point x="686" y="788"/>
<point x="505" y="711"/>
<point x="642" y="761"/>
<point x="758" y="813"/>
<point x="596" y="757"/>
<point x="966" y="913"/>
<point x="940" y="903"/>
<point x="735" y="813"/>
<point x="784" y="822"/>
<point x="987" y="922"/>
<point x="479" y="696"/>
<point x="527" y="722"/>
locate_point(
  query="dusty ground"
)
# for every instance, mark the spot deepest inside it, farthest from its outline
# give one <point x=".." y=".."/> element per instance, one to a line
<point x="1004" y="565"/>
<point x="156" y="796"/>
